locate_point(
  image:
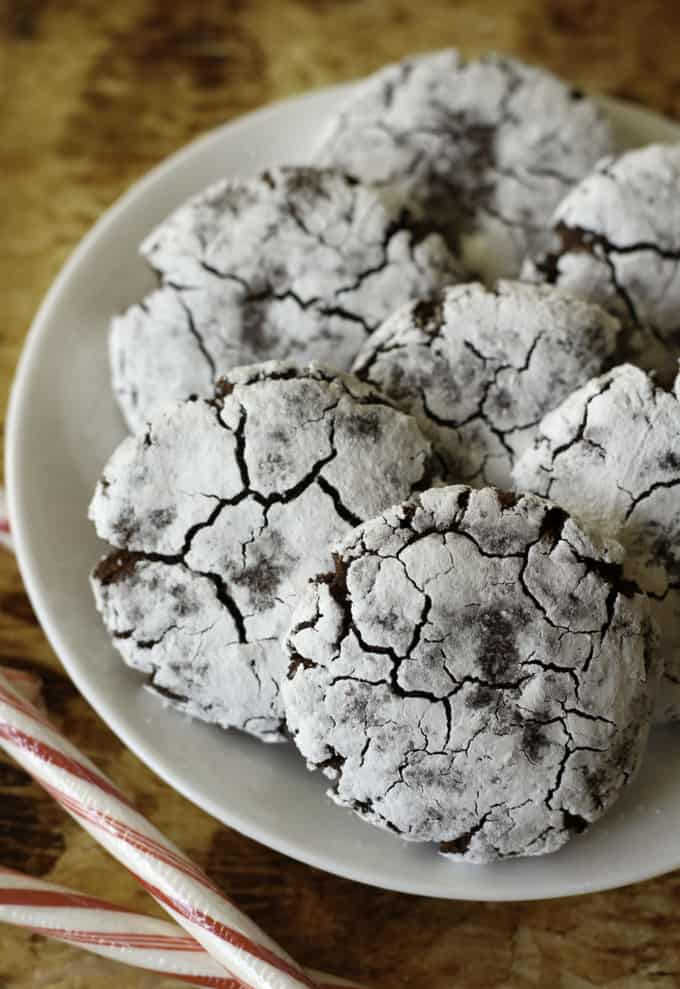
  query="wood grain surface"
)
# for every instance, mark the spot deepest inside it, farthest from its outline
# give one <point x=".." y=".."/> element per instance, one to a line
<point x="93" y="95"/>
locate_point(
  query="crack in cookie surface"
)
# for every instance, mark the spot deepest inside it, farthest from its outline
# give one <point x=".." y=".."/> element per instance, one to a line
<point x="611" y="455"/>
<point x="298" y="263"/>
<point x="616" y="241"/>
<point x="474" y="672"/>
<point x="485" y="149"/>
<point x="223" y="509"/>
<point x="479" y="367"/>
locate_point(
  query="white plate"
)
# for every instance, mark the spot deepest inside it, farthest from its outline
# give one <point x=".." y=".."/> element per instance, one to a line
<point x="62" y="427"/>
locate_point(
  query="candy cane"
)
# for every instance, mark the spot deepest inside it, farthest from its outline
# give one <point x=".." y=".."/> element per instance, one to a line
<point x="230" y="937"/>
<point x="108" y="930"/>
<point x="115" y="932"/>
<point x="183" y="889"/>
<point x="5" y="534"/>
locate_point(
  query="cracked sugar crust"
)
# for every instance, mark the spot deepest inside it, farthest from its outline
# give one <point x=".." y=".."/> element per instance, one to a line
<point x="479" y="368"/>
<point x="486" y="149"/>
<point x="221" y="512"/>
<point x="610" y="454"/>
<point x="616" y="241"/>
<point x="473" y="673"/>
<point x="298" y="263"/>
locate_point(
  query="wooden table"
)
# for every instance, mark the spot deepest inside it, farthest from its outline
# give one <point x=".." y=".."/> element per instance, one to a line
<point x="95" y="94"/>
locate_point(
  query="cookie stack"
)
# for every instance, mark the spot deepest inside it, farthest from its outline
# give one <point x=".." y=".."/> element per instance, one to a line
<point x="403" y="478"/>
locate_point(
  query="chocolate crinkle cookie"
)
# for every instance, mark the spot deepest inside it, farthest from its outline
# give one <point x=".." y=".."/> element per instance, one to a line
<point x="220" y="513"/>
<point x="298" y="263"/>
<point x="485" y="149"/>
<point x="616" y="241"/>
<point x="474" y="672"/>
<point x="479" y="368"/>
<point x="610" y="454"/>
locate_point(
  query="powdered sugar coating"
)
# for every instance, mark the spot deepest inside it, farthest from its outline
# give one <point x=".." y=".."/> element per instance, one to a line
<point x="610" y="454"/>
<point x="486" y="149"/>
<point x="223" y="510"/>
<point x="296" y="263"/>
<point x="616" y="241"/>
<point x="473" y="673"/>
<point x="479" y="368"/>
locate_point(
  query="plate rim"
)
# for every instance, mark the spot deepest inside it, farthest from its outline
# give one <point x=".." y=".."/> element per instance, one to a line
<point x="50" y="627"/>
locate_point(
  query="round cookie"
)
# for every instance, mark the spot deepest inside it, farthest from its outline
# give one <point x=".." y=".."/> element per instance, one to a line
<point x="486" y="149"/>
<point x="610" y="454"/>
<point x="473" y="673"/>
<point x="297" y="263"/>
<point x="479" y="368"/>
<point x="223" y="509"/>
<point x="616" y="241"/>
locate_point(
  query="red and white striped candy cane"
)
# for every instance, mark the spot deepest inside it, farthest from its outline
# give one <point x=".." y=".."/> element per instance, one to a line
<point x="115" y="932"/>
<point x="230" y="937"/>
<point x="102" y="927"/>
<point x="108" y="930"/>
<point x="5" y="534"/>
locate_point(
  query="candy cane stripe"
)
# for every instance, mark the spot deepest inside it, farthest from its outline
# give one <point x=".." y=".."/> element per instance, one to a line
<point x="71" y="766"/>
<point x="156" y="945"/>
<point x="47" y="753"/>
<point x="115" y="940"/>
<point x="227" y="934"/>
<point x="117" y="829"/>
<point x="23" y="707"/>
<point x="46" y="898"/>
<point x="175" y="882"/>
<point x="209" y="981"/>
<point x="218" y="929"/>
<point x="46" y="904"/>
<point x="5" y="532"/>
<point x="49" y="910"/>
